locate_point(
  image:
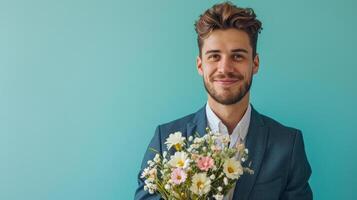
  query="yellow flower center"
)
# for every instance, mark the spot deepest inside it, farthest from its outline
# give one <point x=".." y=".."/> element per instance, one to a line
<point x="180" y="163"/>
<point x="199" y="184"/>
<point x="178" y="177"/>
<point x="230" y="170"/>
<point x="178" y="147"/>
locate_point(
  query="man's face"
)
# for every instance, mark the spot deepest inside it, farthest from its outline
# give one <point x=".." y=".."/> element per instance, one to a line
<point x="227" y="65"/>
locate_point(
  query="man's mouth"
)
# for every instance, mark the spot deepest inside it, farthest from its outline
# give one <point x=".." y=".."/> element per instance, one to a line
<point x="226" y="82"/>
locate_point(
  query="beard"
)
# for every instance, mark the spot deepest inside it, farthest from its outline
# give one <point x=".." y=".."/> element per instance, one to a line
<point x="233" y="96"/>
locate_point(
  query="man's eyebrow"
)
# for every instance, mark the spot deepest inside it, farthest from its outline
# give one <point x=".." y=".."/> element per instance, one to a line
<point x="240" y="50"/>
<point x="212" y="51"/>
<point x="233" y="50"/>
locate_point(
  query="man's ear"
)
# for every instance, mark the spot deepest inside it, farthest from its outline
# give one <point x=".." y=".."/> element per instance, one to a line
<point x="256" y="64"/>
<point x="199" y="65"/>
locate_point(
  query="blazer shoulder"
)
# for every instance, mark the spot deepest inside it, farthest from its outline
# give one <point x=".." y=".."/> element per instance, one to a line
<point x="279" y="130"/>
<point x="282" y="138"/>
<point x="179" y="124"/>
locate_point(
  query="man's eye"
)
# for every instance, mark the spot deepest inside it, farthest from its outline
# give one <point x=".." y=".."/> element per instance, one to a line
<point x="213" y="57"/>
<point x="237" y="57"/>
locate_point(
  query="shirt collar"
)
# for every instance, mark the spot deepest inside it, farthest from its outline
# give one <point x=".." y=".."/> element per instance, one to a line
<point x="216" y="125"/>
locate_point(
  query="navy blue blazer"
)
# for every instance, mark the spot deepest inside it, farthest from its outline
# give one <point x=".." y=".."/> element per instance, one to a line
<point x="276" y="152"/>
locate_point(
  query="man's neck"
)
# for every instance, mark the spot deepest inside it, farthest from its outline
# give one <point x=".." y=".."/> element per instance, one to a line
<point x="230" y="115"/>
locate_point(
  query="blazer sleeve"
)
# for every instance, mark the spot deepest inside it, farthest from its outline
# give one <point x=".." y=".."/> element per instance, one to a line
<point x="297" y="187"/>
<point x="155" y="143"/>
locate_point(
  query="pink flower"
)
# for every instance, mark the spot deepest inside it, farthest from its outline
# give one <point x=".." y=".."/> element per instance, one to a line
<point x="205" y="163"/>
<point x="178" y="176"/>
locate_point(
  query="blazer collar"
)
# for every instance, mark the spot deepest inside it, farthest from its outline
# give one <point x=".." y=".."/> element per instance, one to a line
<point x="198" y="124"/>
<point x="256" y="142"/>
<point x="199" y="121"/>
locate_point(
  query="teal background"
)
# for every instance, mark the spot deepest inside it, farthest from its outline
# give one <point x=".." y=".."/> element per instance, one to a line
<point x="83" y="84"/>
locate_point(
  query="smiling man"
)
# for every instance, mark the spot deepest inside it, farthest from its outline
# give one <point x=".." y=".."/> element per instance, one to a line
<point x="227" y="61"/>
<point x="227" y="65"/>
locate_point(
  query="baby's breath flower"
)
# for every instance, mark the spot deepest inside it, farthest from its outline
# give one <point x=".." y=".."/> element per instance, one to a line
<point x="225" y="139"/>
<point x="148" y="182"/>
<point x="145" y="172"/>
<point x="218" y="197"/>
<point x="157" y="158"/>
<point x="196" y="140"/>
<point x="206" y="137"/>
<point x="225" y="181"/>
<point x="151" y="163"/>
<point x="189" y="149"/>
<point x="167" y="186"/>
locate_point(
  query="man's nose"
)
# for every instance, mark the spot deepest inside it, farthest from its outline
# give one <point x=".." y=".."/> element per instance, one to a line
<point x="225" y="65"/>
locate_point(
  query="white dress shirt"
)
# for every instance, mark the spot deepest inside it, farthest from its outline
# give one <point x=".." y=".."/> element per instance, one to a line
<point x="239" y="132"/>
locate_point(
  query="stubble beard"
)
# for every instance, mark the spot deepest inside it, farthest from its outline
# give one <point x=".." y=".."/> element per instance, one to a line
<point x="232" y="98"/>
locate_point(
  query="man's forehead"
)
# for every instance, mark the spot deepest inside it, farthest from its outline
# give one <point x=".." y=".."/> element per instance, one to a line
<point x="227" y="40"/>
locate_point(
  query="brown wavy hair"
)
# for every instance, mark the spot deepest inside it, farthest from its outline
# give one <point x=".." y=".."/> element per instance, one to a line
<point x="224" y="16"/>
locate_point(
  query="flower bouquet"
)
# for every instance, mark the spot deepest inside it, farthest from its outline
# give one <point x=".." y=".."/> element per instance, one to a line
<point x="200" y="168"/>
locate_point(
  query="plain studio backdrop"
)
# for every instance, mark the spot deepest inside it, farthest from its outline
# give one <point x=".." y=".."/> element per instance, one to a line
<point x="83" y="84"/>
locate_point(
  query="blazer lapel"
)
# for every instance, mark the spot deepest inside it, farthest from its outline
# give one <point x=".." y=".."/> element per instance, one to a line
<point x="198" y="124"/>
<point x="256" y="143"/>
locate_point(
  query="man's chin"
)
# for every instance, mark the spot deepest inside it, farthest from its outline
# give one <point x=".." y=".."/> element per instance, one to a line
<point x="225" y="100"/>
<point x="228" y="97"/>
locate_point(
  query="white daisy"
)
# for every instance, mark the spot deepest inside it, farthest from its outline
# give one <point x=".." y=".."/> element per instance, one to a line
<point x="179" y="159"/>
<point x="175" y="140"/>
<point x="201" y="184"/>
<point x="232" y="168"/>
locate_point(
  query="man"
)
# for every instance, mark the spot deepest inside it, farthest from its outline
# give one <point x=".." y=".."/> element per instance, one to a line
<point x="227" y="61"/>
